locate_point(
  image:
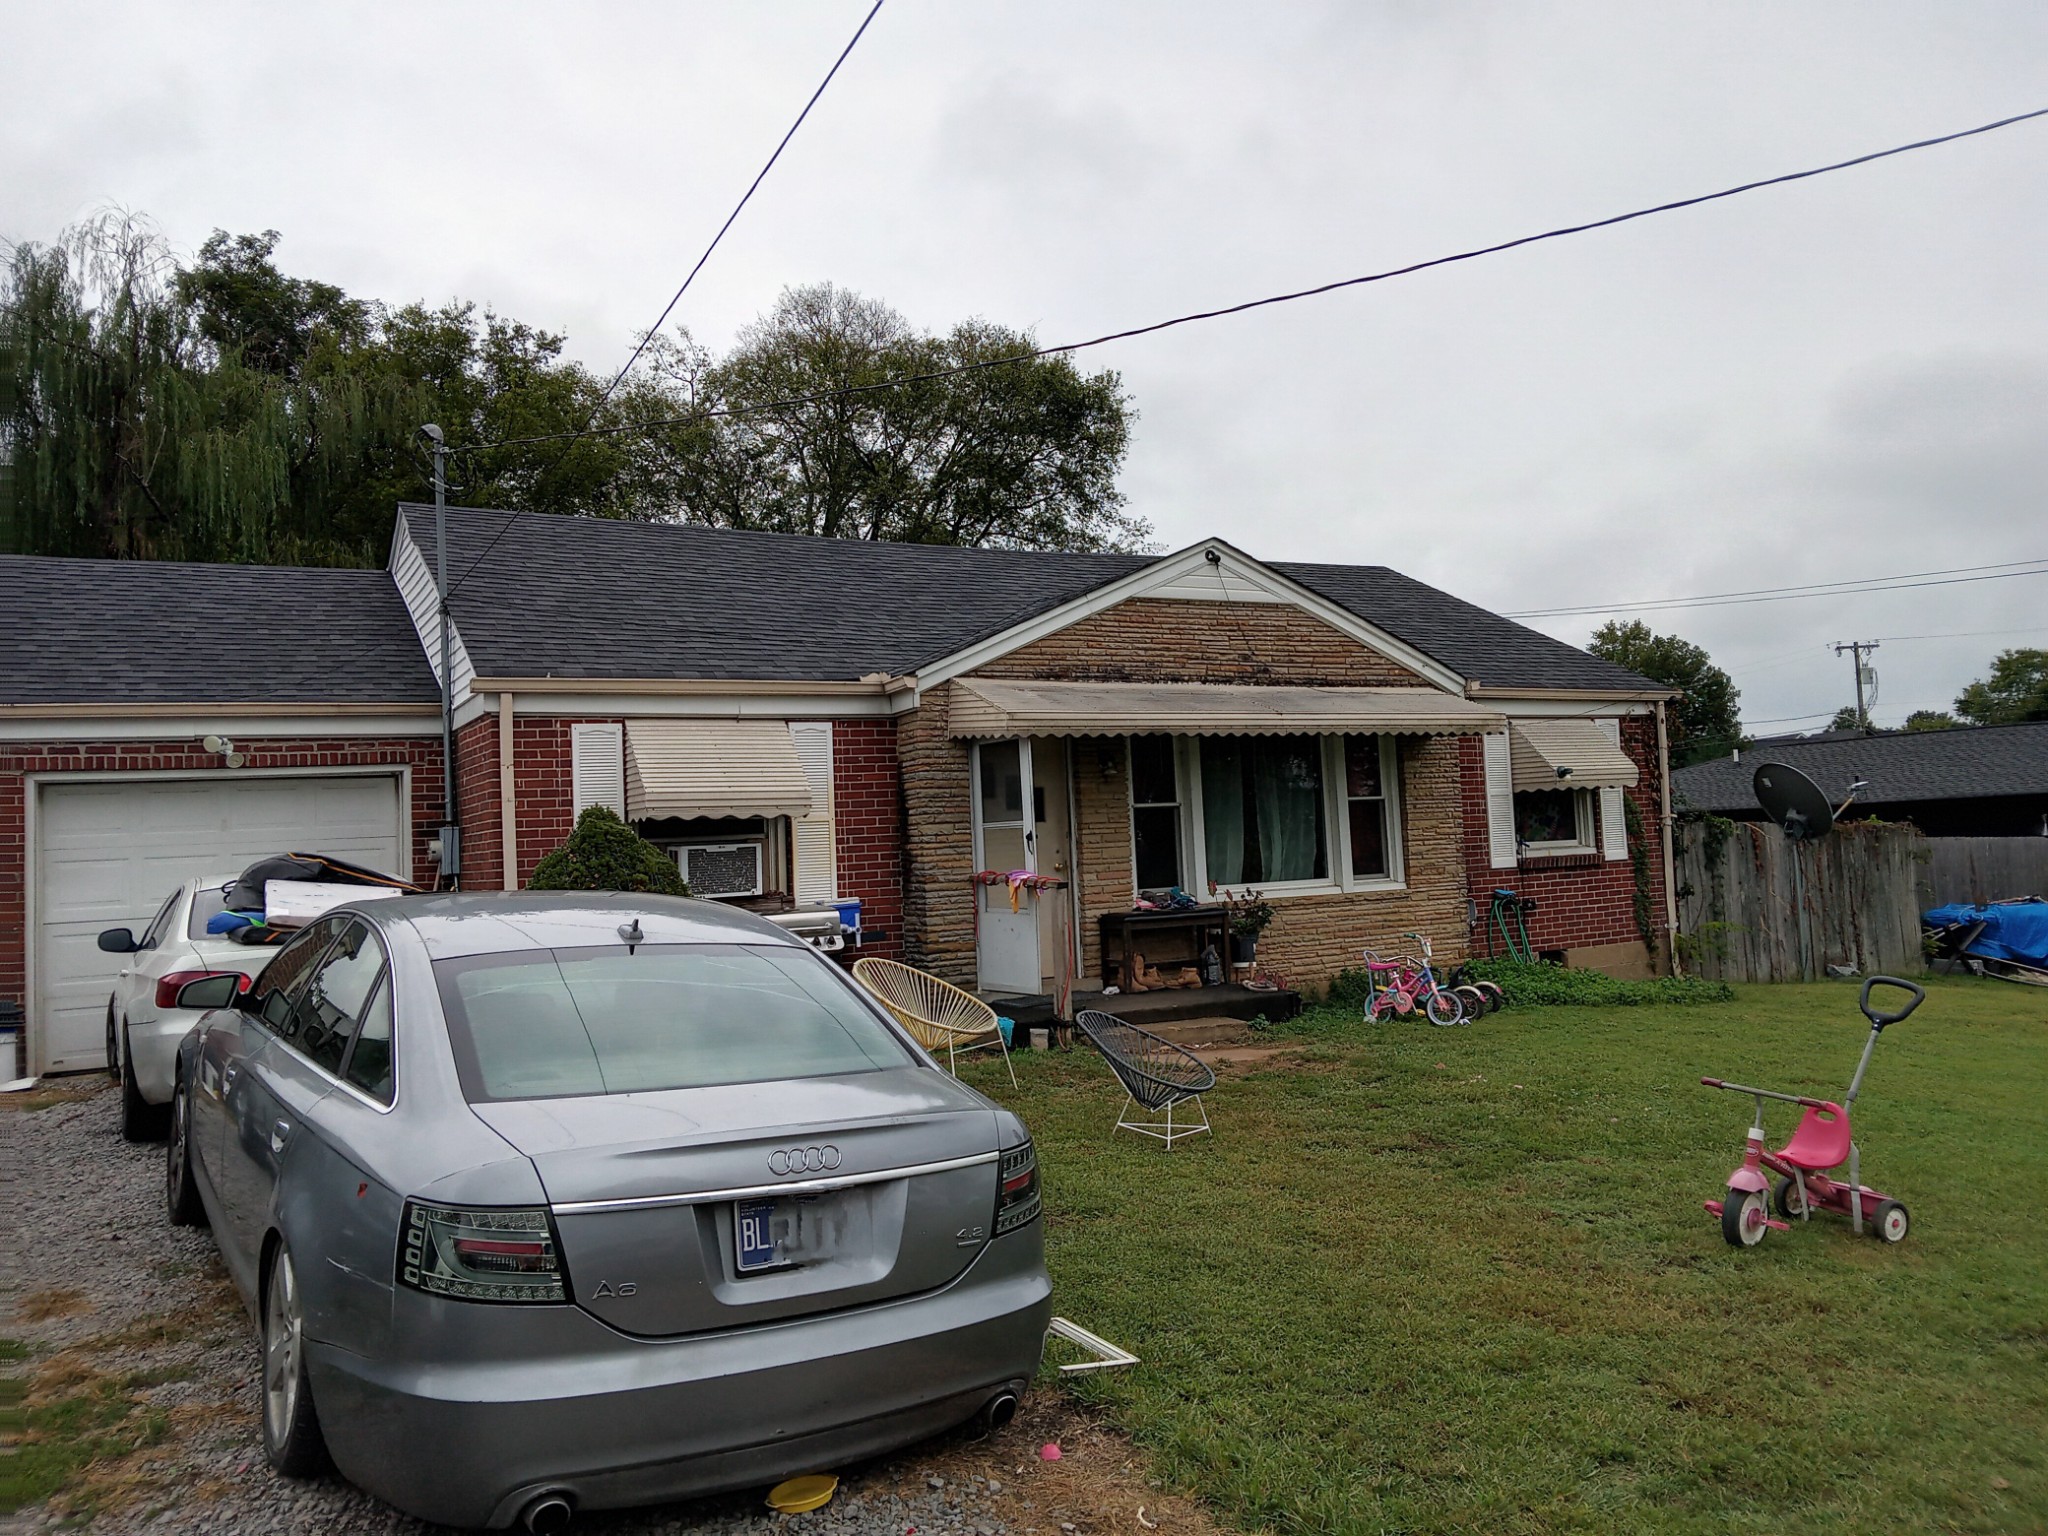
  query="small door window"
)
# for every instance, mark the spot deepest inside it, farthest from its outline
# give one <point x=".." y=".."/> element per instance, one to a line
<point x="369" y="1060"/>
<point x="153" y="935"/>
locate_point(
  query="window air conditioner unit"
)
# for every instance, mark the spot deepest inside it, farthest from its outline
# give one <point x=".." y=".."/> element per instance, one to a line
<point x="721" y="869"/>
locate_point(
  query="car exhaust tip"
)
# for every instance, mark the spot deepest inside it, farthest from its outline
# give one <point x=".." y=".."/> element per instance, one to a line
<point x="548" y="1514"/>
<point x="998" y="1410"/>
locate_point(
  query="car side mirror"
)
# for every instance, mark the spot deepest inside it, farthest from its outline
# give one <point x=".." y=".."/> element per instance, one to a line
<point x="118" y="941"/>
<point x="223" y="991"/>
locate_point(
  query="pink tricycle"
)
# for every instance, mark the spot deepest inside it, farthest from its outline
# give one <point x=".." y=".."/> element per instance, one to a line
<point x="1820" y="1145"/>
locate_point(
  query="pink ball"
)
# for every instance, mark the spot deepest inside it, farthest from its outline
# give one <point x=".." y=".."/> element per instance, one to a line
<point x="1049" y="1452"/>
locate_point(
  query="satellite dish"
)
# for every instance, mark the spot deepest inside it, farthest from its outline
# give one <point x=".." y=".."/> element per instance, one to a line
<point x="1793" y="801"/>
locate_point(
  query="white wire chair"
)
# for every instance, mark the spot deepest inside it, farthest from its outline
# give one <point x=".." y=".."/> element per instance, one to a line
<point x="1156" y="1074"/>
<point x="939" y="1015"/>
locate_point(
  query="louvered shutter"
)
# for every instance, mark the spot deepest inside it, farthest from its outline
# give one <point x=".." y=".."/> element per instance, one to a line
<point x="816" y="841"/>
<point x="597" y="767"/>
<point x="1500" y="801"/>
<point x="1613" y="820"/>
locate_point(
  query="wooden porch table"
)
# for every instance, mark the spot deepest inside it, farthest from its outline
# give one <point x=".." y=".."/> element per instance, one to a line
<point x="1123" y="931"/>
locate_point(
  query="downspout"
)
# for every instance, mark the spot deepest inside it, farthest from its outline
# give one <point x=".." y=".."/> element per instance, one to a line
<point x="1666" y="819"/>
<point x="508" y="813"/>
<point x="451" y="831"/>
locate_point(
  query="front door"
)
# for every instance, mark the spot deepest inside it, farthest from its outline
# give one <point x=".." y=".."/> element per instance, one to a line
<point x="1005" y="843"/>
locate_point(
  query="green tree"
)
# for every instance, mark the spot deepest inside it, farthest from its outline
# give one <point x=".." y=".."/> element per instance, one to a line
<point x="2017" y="689"/>
<point x="1846" y="719"/>
<point x="229" y="411"/>
<point x="1021" y="455"/>
<point x="604" y="854"/>
<point x="1931" y="720"/>
<point x="1706" y="721"/>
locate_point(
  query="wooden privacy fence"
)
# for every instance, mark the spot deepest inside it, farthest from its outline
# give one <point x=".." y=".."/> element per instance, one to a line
<point x="1984" y="869"/>
<point x="1754" y="906"/>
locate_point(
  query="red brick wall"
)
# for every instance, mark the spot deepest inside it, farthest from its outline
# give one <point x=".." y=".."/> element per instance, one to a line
<point x="1581" y="899"/>
<point x="542" y="795"/>
<point x="867" y="807"/>
<point x="421" y="753"/>
<point x="476" y="804"/>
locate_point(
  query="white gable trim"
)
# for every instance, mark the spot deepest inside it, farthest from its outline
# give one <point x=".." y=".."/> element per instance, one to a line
<point x="1190" y="575"/>
<point x="416" y="584"/>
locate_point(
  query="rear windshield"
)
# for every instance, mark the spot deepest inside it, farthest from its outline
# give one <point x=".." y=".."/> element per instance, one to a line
<point x="206" y="903"/>
<point x="543" y="1024"/>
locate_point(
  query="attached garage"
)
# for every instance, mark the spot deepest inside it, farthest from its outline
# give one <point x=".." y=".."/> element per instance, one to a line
<point x="108" y="851"/>
<point x="160" y="722"/>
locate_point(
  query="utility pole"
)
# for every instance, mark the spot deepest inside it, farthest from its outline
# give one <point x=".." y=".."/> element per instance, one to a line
<point x="451" y="833"/>
<point x="1864" y="673"/>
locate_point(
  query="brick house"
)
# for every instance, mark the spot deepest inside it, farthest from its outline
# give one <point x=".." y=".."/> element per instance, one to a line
<point x="806" y="719"/>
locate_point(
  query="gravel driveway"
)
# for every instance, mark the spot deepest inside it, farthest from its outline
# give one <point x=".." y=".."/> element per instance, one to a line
<point x="137" y="1335"/>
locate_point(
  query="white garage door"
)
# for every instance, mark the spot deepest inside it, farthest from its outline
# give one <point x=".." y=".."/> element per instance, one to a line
<point x="107" y="854"/>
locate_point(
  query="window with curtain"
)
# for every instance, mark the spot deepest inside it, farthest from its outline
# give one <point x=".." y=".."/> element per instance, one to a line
<point x="1155" y="813"/>
<point x="1553" y="820"/>
<point x="1263" y="809"/>
<point x="1365" y="805"/>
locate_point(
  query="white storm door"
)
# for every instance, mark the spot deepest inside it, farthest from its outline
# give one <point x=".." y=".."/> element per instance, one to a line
<point x="1005" y="840"/>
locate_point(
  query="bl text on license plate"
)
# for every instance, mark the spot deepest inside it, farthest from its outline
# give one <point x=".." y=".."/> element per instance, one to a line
<point x="753" y="1224"/>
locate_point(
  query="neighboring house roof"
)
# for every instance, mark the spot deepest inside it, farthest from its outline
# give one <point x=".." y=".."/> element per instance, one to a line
<point x="682" y="601"/>
<point x="1967" y="763"/>
<point x="150" y="631"/>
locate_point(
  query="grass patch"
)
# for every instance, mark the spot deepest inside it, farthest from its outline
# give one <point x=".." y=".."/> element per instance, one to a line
<point x="72" y="1418"/>
<point x="1460" y="1280"/>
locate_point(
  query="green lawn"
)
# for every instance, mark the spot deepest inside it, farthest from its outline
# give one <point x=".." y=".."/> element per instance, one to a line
<point x="1427" y="1280"/>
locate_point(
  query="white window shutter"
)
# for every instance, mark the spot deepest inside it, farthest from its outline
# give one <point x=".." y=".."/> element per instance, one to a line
<point x="1500" y="801"/>
<point x="1613" y="820"/>
<point x="597" y="767"/>
<point x="815" y="836"/>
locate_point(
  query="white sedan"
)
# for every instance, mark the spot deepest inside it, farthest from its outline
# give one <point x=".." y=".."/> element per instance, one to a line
<point x="144" y="1021"/>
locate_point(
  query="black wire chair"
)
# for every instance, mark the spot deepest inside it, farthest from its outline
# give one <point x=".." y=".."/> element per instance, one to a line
<point x="1157" y="1075"/>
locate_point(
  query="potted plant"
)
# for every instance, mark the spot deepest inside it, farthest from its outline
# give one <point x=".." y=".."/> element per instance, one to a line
<point x="1250" y="914"/>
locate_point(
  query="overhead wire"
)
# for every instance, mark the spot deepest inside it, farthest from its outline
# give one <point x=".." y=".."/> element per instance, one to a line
<point x="676" y="298"/>
<point x="1473" y="254"/>
<point x="1900" y="581"/>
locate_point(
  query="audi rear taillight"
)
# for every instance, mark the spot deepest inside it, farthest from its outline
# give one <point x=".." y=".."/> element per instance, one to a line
<point x="480" y="1255"/>
<point x="1017" y="1199"/>
<point x="169" y="986"/>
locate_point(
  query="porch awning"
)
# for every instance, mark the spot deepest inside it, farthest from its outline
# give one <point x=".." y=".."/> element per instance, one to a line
<point x="1537" y="749"/>
<point x="984" y="708"/>
<point x="713" y="768"/>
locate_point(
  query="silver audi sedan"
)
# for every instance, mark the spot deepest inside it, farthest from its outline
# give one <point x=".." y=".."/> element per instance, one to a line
<point x="547" y="1201"/>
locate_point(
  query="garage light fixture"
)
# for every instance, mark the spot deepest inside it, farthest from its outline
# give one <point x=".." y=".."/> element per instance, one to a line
<point x="224" y="748"/>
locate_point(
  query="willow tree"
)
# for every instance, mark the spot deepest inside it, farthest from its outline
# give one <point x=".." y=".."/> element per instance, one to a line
<point x="127" y="432"/>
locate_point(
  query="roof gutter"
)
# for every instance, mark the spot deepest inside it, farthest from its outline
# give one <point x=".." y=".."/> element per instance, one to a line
<point x="875" y="686"/>
<point x="155" y="709"/>
<point x="1590" y="695"/>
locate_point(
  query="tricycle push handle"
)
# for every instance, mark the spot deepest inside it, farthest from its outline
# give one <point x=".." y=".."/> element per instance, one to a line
<point x="1765" y="1093"/>
<point x="1880" y="1020"/>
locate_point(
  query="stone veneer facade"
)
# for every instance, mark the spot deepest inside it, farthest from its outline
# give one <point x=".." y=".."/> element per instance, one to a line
<point x="1147" y="640"/>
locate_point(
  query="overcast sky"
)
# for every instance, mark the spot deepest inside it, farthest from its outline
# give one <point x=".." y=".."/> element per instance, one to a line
<point x="1846" y="377"/>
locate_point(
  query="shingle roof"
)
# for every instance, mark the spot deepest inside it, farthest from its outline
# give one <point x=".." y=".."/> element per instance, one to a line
<point x="692" y="602"/>
<point x="146" y="631"/>
<point x="1964" y="764"/>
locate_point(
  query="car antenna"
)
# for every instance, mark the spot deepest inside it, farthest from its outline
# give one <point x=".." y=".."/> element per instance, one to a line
<point x="630" y="932"/>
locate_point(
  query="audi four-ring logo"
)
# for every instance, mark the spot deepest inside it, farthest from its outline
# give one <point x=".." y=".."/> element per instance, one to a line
<point x="803" y="1160"/>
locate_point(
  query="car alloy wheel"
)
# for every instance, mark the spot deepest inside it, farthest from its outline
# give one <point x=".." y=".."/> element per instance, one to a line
<point x="181" y="1195"/>
<point x="291" y="1432"/>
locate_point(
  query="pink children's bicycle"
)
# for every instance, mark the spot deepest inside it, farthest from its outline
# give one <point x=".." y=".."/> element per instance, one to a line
<point x="1820" y="1145"/>
<point x="1403" y="986"/>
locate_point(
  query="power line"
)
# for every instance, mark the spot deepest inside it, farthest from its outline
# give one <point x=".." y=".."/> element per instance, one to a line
<point x="1279" y="298"/>
<point x="752" y="187"/>
<point x="1903" y="581"/>
<point x="1971" y="634"/>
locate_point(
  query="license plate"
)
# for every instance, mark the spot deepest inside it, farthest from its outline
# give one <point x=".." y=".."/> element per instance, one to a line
<point x="753" y="1223"/>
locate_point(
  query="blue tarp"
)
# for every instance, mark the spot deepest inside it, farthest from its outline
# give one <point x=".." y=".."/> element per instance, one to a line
<point x="2014" y="930"/>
